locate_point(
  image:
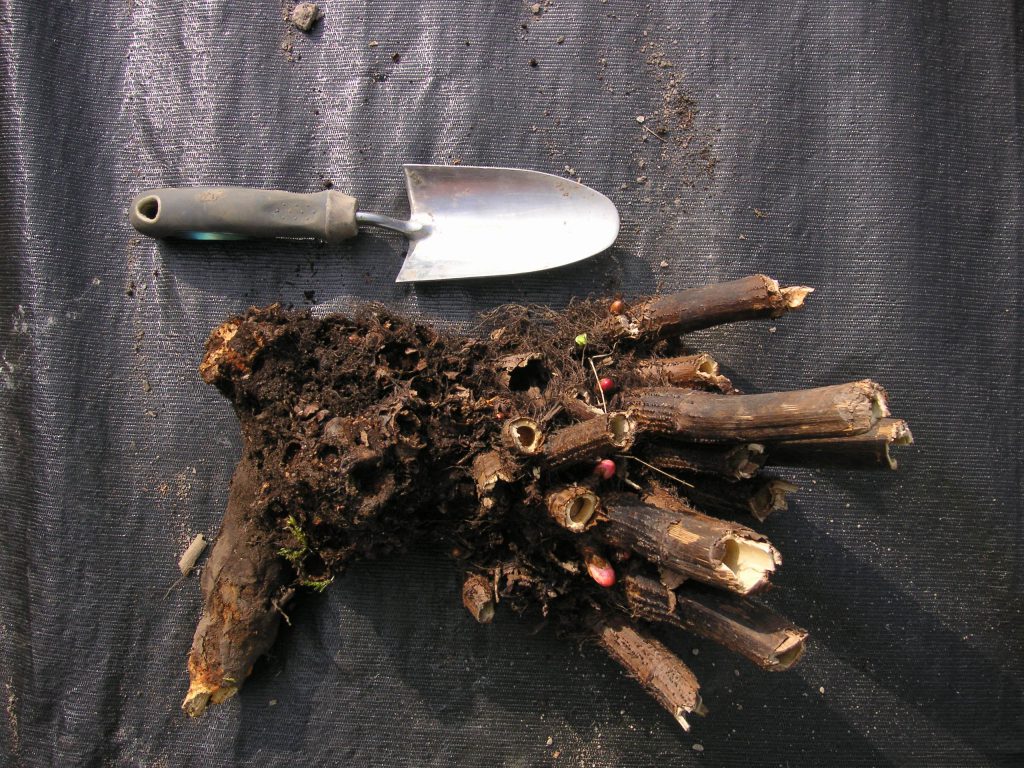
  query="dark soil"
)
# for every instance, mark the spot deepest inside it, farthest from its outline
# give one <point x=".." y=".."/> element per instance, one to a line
<point x="362" y="429"/>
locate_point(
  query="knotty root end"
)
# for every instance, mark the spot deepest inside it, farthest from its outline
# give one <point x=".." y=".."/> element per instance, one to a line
<point x="202" y="692"/>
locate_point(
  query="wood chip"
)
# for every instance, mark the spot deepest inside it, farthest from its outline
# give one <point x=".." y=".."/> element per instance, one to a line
<point x="191" y="555"/>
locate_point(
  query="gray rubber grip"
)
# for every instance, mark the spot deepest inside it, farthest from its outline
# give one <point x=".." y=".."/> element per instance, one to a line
<point x="227" y="213"/>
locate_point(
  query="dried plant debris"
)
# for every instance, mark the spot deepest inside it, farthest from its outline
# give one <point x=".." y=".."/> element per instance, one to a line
<point x="574" y="463"/>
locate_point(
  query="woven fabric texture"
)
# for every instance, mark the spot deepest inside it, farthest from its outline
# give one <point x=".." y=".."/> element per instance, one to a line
<point x="872" y="150"/>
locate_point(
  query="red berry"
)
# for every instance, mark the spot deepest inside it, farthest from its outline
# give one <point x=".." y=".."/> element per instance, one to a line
<point x="600" y="570"/>
<point x="606" y="384"/>
<point x="605" y="469"/>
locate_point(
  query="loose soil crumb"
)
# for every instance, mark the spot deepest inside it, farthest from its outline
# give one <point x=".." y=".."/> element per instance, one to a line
<point x="304" y="16"/>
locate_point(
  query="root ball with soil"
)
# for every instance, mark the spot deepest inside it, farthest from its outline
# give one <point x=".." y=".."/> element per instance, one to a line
<point x="595" y="505"/>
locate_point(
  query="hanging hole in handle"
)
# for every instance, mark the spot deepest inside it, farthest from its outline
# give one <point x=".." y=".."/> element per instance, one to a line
<point x="148" y="208"/>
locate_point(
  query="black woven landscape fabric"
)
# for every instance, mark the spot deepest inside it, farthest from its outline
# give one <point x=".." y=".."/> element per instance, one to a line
<point x="872" y="150"/>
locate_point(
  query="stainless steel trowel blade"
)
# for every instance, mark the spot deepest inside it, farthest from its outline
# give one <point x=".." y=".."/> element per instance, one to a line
<point x="482" y="222"/>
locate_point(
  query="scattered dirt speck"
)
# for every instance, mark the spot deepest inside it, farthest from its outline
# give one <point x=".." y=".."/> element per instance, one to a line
<point x="688" y="146"/>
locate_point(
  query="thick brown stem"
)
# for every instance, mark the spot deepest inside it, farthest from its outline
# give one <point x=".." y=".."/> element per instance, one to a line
<point x="842" y="409"/>
<point x="735" y="462"/>
<point x="868" y="450"/>
<point x="705" y="548"/>
<point x="651" y="664"/>
<point x="760" y="497"/>
<point x="478" y="597"/>
<point x="573" y="507"/>
<point x="748" y="298"/>
<point x="687" y="371"/>
<point x="244" y="589"/>
<point x="744" y="627"/>
<point x="589" y="440"/>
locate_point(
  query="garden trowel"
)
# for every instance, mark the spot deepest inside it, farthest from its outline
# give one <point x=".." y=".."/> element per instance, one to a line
<point x="464" y="221"/>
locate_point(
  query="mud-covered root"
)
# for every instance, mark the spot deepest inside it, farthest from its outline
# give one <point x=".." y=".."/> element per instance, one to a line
<point x="244" y="587"/>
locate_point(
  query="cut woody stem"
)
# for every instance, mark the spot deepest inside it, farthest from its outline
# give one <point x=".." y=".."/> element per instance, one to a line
<point x="651" y="664"/>
<point x="748" y="298"/>
<point x="734" y="462"/>
<point x="744" y="627"/>
<point x="478" y="597"/>
<point x="842" y="409"/>
<point x="523" y="436"/>
<point x="760" y="497"/>
<point x="868" y="450"/>
<point x="728" y="555"/>
<point x="573" y="507"/>
<point x="577" y="407"/>
<point x="687" y="371"/>
<point x="589" y="440"/>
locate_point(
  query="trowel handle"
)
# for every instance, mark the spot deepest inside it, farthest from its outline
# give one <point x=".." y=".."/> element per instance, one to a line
<point x="234" y="213"/>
